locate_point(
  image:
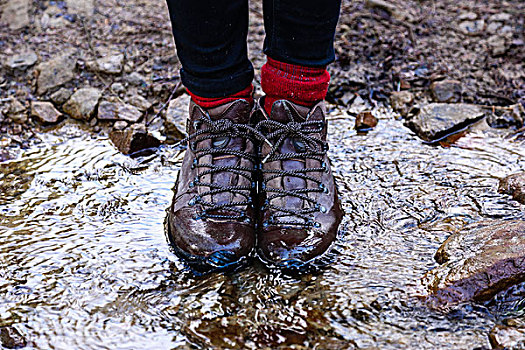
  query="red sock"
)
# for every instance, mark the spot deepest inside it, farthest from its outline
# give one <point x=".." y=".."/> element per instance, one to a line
<point x="304" y="86"/>
<point x="211" y="102"/>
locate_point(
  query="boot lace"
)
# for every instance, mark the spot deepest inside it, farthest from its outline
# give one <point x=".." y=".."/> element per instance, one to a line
<point x="220" y="132"/>
<point x="307" y="146"/>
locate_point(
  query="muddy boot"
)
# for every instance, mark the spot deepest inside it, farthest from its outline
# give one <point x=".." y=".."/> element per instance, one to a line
<point x="301" y="212"/>
<point x="211" y="221"/>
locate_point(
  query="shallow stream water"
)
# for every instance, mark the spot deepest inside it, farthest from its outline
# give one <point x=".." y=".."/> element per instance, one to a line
<point x="84" y="263"/>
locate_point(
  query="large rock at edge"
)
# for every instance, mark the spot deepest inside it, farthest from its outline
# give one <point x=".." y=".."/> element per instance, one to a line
<point x="477" y="263"/>
<point x="436" y="121"/>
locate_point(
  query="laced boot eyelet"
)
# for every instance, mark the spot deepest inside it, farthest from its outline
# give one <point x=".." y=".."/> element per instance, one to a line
<point x="324" y="166"/>
<point x="197" y="124"/>
<point x="317" y="224"/>
<point x="323" y="188"/>
<point x="326" y="147"/>
<point x="194" y="163"/>
<point x="194" y="201"/>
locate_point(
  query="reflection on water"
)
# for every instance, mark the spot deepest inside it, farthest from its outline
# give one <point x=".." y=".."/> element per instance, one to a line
<point x="84" y="262"/>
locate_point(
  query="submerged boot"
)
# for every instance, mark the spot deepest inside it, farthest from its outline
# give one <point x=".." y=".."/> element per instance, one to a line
<point x="211" y="221"/>
<point x="300" y="213"/>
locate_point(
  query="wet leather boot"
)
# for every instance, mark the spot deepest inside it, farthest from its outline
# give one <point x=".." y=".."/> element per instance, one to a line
<point x="210" y="223"/>
<point x="300" y="213"/>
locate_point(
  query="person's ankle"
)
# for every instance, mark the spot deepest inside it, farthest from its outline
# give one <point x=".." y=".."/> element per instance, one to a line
<point x="212" y="102"/>
<point x="304" y="86"/>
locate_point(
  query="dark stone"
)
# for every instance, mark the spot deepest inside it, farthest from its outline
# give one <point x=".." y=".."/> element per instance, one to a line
<point x="436" y="121"/>
<point x="133" y="139"/>
<point x="446" y="91"/>
<point x="365" y="121"/>
<point x="11" y="338"/>
<point x="514" y="185"/>
<point x="477" y="263"/>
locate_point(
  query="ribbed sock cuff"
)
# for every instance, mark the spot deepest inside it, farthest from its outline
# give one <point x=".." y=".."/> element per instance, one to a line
<point x="304" y="86"/>
<point x="210" y="102"/>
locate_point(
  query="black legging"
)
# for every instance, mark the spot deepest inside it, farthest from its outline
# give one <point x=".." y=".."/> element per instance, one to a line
<point x="210" y="36"/>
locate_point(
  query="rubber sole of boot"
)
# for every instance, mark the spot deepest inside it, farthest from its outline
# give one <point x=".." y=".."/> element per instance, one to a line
<point x="221" y="261"/>
<point x="296" y="267"/>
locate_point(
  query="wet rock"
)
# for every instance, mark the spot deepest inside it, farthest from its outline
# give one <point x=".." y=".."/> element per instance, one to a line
<point x="120" y="125"/>
<point x="16" y="14"/>
<point x="472" y="27"/>
<point x="107" y="111"/>
<point x="83" y="103"/>
<point x="497" y="45"/>
<point x="22" y="61"/>
<point x="5" y="155"/>
<point x="446" y="91"/>
<point x="140" y="102"/>
<point x="509" y="336"/>
<point x="493" y="27"/>
<point x="401" y="102"/>
<point x="15" y="107"/>
<point x="507" y="117"/>
<point x="112" y="64"/>
<point x="11" y="338"/>
<point x="136" y="79"/>
<point x="118" y="111"/>
<point x="365" y="121"/>
<point x="118" y="88"/>
<point x="435" y="121"/>
<point x="17" y="112"/>
<point x="128" y="113"/>
<point x="175" y="119"/>
<point x="383" y="5"/>
<point x="478" y="263"/>
<point x="80" y="7"/>
<point x="500" y="17"/>
<point x="56" y="72"/>
<point x="468" y="16"/>
<point x="133" y="139"/>
<point x="60" y="96"/>
<point x="514" y="185"/>
<point x="45" y="112"/>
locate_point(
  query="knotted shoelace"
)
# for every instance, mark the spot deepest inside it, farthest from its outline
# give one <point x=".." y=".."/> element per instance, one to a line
<point x="222" y="130"/>
<point x="311" y="147"/>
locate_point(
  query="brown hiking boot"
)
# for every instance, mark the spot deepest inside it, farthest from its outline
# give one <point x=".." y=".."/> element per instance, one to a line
<point x="211" y="221"/>
<point x="301" y="211"/>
